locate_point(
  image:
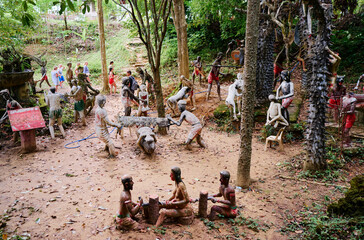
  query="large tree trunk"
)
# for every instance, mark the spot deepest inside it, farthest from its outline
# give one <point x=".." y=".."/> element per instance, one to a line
<point x="248" y="100"/>
<point x="179" y="20"/>
<point x="159" y="97"/>
<point x="265" y="61"/>
<point x="105" y="80"/>
<point x="315" y="136"/>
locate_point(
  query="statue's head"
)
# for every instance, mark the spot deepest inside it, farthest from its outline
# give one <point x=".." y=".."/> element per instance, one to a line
<point x="69" y="65"/>
<point x="220" y="55"/>
<point x="100" y="100"/>
<point x="74" y="82"/>
<point x="143" y="88"/>
<point x="176" y="174"/>
<point x="340" y="79"/>
<point x="198" y="58"/>
<point x="5" y="94"/>
<point x="351" y="94"/>
<point x="285" y="76"/>
<point x="240" y="76"/>
<point x="182" y="105"/>
<point x="53" y="90"/>
<point x="224" y="177"/>
<point x="139" y="70"/>
<point x="272" y="97"/>
<point x="127" y="181"/>
<point x="125" y="81"/>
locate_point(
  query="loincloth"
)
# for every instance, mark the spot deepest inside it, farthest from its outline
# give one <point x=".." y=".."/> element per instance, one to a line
<point x="79" y="105"/>
<point x="55" y="113"/>
<point x="196" y="130"/>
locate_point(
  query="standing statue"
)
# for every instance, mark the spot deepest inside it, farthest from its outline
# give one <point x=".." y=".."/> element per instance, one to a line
<point x="338" y="92"/>
<point x="146" y="140"/>
<point x="187" y="83"/>
<point x="79" y="106"/>
<point x="127" y="96"/>
<point x="191" y="119"/>
<point x="53" y="100"/>
<point x="181" y="94"/>
<point x="287" y="90"/>
<point x="89" y="92"/>
<point x="197" y="70"/>
<point x="101" y="123"/>
<point x="43" y="71"/>
<point x="214" y="75"/>
<point x="11" y="104"/>
<point x="349" y="103"/>
<point x="143" y="105"/>
<point x="128" y="209"/>
<point x="334" y="60"/>
<point x="274" y="114"/>
<point x="235" y="90"/>
<point x="147" y="80"/>
<point x="228" y="207"/>
<point x="178" y="204"/>
<point x="69" y="74"/>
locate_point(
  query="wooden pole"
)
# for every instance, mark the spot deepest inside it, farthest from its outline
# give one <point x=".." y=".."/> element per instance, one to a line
<point x="202" y="204"/>
<point x="28" y="143"/>
<point x="153" y="209"/>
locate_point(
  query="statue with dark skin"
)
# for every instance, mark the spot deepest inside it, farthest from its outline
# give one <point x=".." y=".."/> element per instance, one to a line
<point x="197" y="71"/>
<point x="128" y="209"/>
<point x="228" y="207"/>
<point x="178" y="204"/>
<point x="214" y="75"/>
<point x="349" y="103"/>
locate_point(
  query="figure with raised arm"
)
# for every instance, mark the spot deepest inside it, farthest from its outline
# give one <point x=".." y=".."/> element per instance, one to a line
<point x="183" y="93"/>
<point x="53" y="100"/>
<point x="214" y="76"/>
<point x="336" y="96"/>
<point x="79" y="106"/>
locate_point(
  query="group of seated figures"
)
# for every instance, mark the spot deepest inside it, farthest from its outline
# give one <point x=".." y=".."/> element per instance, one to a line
<point x="179" y="205"/>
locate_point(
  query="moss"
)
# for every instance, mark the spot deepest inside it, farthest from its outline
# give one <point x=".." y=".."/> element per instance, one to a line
<point x="222" y="112"/>
<point x="353" y="202"/>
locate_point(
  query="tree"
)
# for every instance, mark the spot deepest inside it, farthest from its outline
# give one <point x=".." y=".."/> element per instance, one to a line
<point x="151" y="18"/>
<point x="179" y="20"/>
<point x="100" y="15"/>
<point x="248" y="100"/>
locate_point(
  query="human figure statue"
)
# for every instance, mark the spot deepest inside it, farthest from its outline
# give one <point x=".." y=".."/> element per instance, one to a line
<point x="235" y="90"/>
<point x="101" y="123"/>
<point x="11" y="104"/>
<point x="128" y="209"/>
<point x="197" y="70"/>
<point x="181" y="94"/>
<point x="287" y="90"/>
<point x="43" y="71"/>
<point x="89" y="91"/>
<point x="230" y="49"/>
<point x="274" y="114"/>
<point x="214" y="76"/>
<point x="55" y="76"/>
<point x="334" y="60"/>
<point x="187" y="83"/>
<point x="127" y="96"/>
<point x="69" y="74"/>
<point x="79" y="106"/>
<point x="133" y="83"/>
<point x="178" y="204"/>
<point x="143" y="105"/>
<point x="53" y="100"/>
<point x="336" y="96"/>
<point x="147" y="79"/>
<point x="191" y="119"/>
<point x="228" y="207"/>
<point x="358" y="82"/>
<point x="349" y="103"/>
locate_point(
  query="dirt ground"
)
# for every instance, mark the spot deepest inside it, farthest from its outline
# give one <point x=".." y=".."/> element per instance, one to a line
<point x="59" y="193"/>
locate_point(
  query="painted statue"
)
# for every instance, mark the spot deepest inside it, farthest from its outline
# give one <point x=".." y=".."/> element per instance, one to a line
<point x="235" y="91"/>
<point x="286" y="89"/>
<point x="79" y="105"/>
<point x="274" y="114"/>
<point x="53" y="100"/>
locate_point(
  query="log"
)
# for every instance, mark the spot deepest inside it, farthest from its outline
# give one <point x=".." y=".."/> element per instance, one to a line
<point x="28" y="142"/>
<point x="202" y="204"/>
<point x="153" y="210"/>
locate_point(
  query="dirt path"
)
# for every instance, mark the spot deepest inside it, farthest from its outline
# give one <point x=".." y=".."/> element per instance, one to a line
<point x="59" y="193"/>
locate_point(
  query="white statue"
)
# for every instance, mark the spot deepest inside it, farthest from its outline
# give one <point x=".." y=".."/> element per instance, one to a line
<point x="182" y="94"/>
<point x="53" y="100"/>
<point x="235" y="90"/>
<point x="274" y="114"/>
<point x="143" y="105"/>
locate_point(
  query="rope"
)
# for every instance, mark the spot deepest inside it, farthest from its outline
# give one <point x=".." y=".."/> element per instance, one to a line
<point x="294" y="67"/>
<point x="83" y="139"/>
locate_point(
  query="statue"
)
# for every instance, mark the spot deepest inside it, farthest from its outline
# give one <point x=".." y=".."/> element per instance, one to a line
<point x="143" y="105"/>
<point x="181" y="94"/>
<point x="274" y="114"/>
<point x="235" y="90"/>
<point x="69" y="74"/>
<point x="287" y="90"/>
<point x="53" y="100"/>
<point x="349" y="103"/>
<point x="178" y="204"/>
<point x="11" y="104"/>
<point x="191" y="119"/>
<point x="43" y="71"/>
<point x="358" y="82"/>
<point x="146" y="140"/>
<point x="127" y="96"/>
<point x="228" y="209"/>
<point x="146" y="80"/>
<point x="214" y="75"/>
<point x="128" y="208"/>
<point x="79" y="106"/>
<point x="334" y="60"/>
<point x="338" y="92"/>
<point x="187" y="83"/>
<point x="197" y="70"/>
<point x="101" y="123"/>
<point x="89" y="92"/>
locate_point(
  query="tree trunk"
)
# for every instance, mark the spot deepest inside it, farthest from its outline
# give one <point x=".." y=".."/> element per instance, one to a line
<point x="179" y="20"/>
<point x="65" y="21"/>
<point x="159" y="97"/>
<point x="248" y="100"/>
<point x="105" y="80"/>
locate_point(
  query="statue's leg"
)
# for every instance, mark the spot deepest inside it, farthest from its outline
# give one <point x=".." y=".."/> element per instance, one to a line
<point x="234" y="110"/>
<point x="51" y="128"/>
<point x="200" y="141"/>
<point x="76" y="115"/>
<point x="208" y="91"/>
<point x="239" y="105"/>
<point x="82" y="116"/>
<point x="214" y="211"/>
<point x="218" y="89"/>
<point x="59" y="120"/>
<point x="188" y="143"/>
<point x="127" y="111"/>
<point x="193" y="101"/>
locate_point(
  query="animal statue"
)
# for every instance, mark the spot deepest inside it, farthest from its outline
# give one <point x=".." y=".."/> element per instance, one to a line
<point x="182" y="94"/>
<point x="146" y="140"/>
<point x="235" y="90"/>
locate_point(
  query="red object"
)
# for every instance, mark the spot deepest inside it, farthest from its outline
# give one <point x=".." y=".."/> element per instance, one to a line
<point x="212" y="77"/>
<point x="277" y="69"/>
<point x="235" y="55"/>
<point x="349" y="120"/>
<point x="26" y="119"/>
<point x="334" y="103"/>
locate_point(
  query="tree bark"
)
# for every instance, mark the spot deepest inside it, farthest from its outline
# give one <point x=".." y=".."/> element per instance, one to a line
<point x="65" y="21"/>
<point x="159" y="97"/>
<point x="179" y="20"/>
<point x="248" y="100"/>
<point x="105" y="80"/>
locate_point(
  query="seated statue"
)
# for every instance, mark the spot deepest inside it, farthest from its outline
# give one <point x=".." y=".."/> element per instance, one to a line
<point x="274" y="114"/>
<point x="178" y="204"/>
<point x="228" y="207"/>
<point x="235" y="90"/>
<point x="182" y="94"/>
<point x="128" y="208"/>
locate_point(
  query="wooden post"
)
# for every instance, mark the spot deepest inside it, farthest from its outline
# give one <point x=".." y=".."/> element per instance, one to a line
<point x="28" y="143"/>
<point x="153" y="209"/>
<point x="202" y="204"/>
